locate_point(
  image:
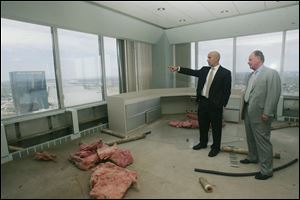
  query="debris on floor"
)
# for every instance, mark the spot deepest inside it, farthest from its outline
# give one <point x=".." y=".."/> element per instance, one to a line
<point x="122" y="157"/>
<point x="278" y="125"/>
<point x="129" y="139"/>
<point x="233" y="159"/>
<point x="86" y="157"/>
<point x="106" y="152"/>
<point x="109" y="181"/>
<point x="110" y="132"/>
<point x="190" y="122"/>
<point x="44" y="156"/>
<point x="242" y="151"/>
<point x="206" y="186"/>
<point x="89" y="155"/>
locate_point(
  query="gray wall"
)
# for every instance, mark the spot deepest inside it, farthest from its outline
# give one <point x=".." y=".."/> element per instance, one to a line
<point x="182" y="55"/>
<point x="261" y="22"/>
<point x="161" y="59"/>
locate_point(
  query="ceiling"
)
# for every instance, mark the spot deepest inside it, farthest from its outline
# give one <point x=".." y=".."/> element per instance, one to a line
<point x="171" y="14"/>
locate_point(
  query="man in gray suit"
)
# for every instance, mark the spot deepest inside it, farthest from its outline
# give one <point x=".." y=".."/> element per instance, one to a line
<point x="261" y="99"/>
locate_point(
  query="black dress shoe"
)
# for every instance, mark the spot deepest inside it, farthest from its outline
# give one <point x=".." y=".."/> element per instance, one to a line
<point x="213" y="152"/>
<point x="199" y="146"/>
<point x="261" y="176"/>
<point x="246" y="161"/>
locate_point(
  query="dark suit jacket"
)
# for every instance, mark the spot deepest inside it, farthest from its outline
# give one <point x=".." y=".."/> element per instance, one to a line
<point x="220" y="88"/>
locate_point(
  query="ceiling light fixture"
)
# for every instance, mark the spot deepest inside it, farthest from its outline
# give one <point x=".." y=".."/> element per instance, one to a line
<point x="182" y="20"/>
<point x="224" y="11"/>
<point x="160" y="9"/>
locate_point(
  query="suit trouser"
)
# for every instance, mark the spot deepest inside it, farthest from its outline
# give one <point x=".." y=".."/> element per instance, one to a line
<point x="210" y="115"/>
<point x="259" y="145"/>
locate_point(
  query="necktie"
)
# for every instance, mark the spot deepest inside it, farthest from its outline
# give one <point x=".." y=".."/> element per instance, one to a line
<point x="209" y="81"/>
<point x="249" y="87"/>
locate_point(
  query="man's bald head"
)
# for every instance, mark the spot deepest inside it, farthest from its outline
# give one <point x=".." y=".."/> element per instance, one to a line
<point x="215" y="54"/>
<point x="213" y="58"/>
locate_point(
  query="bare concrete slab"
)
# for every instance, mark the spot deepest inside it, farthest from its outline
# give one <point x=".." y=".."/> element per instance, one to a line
<point x="165" y="164"/>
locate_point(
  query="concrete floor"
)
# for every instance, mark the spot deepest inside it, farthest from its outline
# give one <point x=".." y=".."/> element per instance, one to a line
<point x="165" y="165"/>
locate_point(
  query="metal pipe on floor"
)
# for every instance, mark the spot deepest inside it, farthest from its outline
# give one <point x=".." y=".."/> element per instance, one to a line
<point x="243" y="151"/>
<point x="243" y="174"/>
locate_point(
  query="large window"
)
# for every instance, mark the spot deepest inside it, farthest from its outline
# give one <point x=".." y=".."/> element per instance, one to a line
<point x="111" y="66"/>
<point x="270" y="44"/>
<point x="290" y="75"/>
<point x="80" y="67"/>
<point x="223" y="46"/>
<point x="27" y="71"/>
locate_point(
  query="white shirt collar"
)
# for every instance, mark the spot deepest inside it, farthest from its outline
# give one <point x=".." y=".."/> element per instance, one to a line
<point x="216" y="68"/>
<point x="258" y="69"/>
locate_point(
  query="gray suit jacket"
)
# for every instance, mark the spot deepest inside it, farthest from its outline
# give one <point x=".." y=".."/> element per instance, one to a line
<point x="265" y="94"/>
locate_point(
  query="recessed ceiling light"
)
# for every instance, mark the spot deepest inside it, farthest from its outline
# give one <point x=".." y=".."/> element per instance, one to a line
<point x="160" y="9"/>
<point x="224" y="11"/>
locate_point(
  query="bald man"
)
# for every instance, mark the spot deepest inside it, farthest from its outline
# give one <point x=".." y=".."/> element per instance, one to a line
<point x="213" y="91"/>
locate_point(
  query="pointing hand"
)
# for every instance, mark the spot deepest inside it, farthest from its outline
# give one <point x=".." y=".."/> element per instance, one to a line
<point x="173" y="68"/>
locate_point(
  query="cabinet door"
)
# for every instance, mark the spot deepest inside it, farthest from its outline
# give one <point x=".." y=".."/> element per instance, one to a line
<point x="175" y="104"/>
<point x="234" y="103"/>
<point x="135" y="109"/>
<point x="231" y="115"/>
<point x="135" y="121"/>
<point x="152" y="103"/>
<point x="153" y="114"/>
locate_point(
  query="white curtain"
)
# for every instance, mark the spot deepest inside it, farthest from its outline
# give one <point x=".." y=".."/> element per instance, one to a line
<point x="144" y="65"/>
<point x="138" y="65"/>
<point x="130" y="67"/>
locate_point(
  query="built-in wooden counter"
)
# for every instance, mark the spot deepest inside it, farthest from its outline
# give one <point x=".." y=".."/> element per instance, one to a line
<point x="128" y="111"/>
